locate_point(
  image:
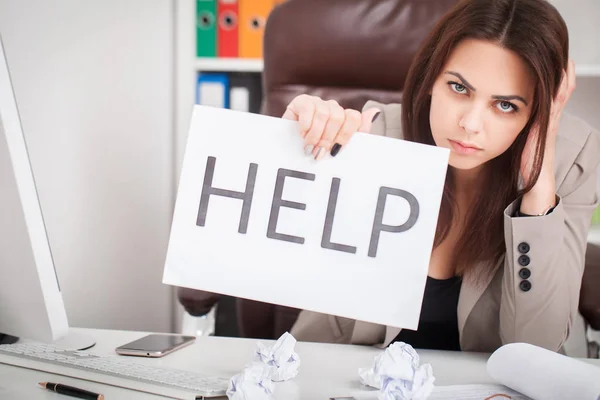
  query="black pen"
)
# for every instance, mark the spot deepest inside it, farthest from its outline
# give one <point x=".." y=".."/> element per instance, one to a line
<point x="71" y="391"/>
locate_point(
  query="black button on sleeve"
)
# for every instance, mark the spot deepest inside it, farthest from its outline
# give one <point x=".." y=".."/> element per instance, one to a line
<point x="524" y="248"/>
<point x="524" y="261"/>
<point x="525" y="286"/>
<point x="524" y="273"/>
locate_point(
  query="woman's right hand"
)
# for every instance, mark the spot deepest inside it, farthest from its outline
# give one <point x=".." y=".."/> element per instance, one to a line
<point x="325" y="126"/>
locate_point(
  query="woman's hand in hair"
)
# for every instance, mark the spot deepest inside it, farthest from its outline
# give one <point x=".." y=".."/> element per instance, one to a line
<point x="325" y="125"/>
<point x="542" y="195"/>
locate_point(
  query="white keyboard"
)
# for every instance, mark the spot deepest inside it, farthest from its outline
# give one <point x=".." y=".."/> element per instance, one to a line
<point x="113" y="370"/>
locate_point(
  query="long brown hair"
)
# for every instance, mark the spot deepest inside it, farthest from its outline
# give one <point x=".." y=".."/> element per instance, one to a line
<point x="535" y="31"/>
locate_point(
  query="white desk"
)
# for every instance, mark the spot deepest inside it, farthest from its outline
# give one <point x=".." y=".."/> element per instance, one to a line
<point x="326" y="370"/>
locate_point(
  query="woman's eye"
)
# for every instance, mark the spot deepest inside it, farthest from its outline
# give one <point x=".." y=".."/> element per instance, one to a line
<point x="457" y="87"/>
<point x="506" y="107"/>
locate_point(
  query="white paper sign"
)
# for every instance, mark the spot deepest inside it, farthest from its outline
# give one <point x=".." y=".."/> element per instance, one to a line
<point x="349" y="236"/>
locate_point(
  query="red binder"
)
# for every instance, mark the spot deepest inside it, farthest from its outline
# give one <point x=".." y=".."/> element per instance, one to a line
<point x="227" y="28"/>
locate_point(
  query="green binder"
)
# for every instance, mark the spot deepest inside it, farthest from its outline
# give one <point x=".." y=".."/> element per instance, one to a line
<point x="206" y="28"/>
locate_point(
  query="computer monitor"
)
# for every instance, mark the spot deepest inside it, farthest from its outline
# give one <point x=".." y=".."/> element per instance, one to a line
<point x="31" y="304"/>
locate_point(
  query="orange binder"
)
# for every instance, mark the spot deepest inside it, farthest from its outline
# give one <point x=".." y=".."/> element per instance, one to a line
<point x="227" y="28"/>
<point x="253" y="16"/>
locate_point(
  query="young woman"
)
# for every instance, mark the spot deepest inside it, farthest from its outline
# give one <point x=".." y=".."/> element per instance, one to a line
<point x="489" y="83"/>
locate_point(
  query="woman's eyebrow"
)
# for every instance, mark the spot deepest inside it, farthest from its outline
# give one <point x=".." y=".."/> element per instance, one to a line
<point x="495" y="97"/>
<point x="511" y="97"/>
<point x="464" y="81"/>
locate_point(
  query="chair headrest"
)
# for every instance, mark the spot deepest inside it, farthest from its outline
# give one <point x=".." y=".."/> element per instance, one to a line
<point x="340" y="47"/>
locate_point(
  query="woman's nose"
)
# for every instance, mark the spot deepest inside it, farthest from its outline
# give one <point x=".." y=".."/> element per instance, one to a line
<point x="472" y="120"/>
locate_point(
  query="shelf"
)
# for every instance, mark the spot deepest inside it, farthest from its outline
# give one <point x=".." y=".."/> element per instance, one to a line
<point x="228" y="64"/>
<point x="592" y="70"/>
<point x="256" y="65"/>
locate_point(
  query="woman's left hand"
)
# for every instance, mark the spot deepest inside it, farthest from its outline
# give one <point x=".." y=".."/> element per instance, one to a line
<point x="567" y="87"/>
<point x="544" y="188"/>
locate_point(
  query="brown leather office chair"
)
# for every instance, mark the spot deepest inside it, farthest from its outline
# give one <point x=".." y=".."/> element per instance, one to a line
<point x="347" y="50"/>
<point x="589" y="299"/>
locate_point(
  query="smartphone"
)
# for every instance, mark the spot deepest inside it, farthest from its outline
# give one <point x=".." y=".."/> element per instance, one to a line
<point x="155" y="345"/>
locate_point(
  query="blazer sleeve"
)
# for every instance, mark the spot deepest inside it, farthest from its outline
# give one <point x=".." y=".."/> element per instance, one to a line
<point x="545" y="258"/>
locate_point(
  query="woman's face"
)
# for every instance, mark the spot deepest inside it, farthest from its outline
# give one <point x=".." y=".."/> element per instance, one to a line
<point x="480" y="102"/>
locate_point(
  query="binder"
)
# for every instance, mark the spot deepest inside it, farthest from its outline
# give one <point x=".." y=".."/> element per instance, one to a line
<point x="206" y="32"/>
<point x="212" y="89"/>
<point x="253" y="16"/>
<point x="227" y="28"/>
<point x="239" y="99"/>
<point x="245" y="92"/>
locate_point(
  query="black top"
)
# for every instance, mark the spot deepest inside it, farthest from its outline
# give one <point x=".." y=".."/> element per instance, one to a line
<point x="438" y="325"/>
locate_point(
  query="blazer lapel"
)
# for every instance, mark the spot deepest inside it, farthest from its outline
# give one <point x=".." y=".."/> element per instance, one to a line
<point x="470" y="293"/>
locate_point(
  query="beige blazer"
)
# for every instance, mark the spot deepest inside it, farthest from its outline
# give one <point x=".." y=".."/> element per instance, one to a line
<point x="500" y="310"/>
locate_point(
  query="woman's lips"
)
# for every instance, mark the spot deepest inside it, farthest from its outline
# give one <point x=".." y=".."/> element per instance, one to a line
<point x="463" y="148"/>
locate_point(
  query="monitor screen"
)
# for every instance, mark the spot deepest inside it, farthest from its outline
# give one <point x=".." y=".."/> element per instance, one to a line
<point x="31" y="305"/>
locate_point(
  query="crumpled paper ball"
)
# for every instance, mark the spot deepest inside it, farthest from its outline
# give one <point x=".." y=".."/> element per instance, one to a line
<point x="281" y="357"/>
<point x="398" y="361"/>
<point x="419" y="388"/>
<point x="253" y="383"/>
<point x="397" y="374"/>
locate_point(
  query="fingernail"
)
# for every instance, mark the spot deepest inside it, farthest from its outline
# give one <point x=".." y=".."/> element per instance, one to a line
<point x="308" y="149"/>
<point x="375" y="116"/>
<point x="320" y="154"/>
<point x="335" y="149"/>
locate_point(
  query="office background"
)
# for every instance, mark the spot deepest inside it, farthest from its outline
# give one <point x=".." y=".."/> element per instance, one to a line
<point x="105" y="90"/>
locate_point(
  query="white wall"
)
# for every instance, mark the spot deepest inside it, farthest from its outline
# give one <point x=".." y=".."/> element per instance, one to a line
<point x="583" y="20"/>
<point x="585" y="101"/>
<point x="94" y="83"/>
